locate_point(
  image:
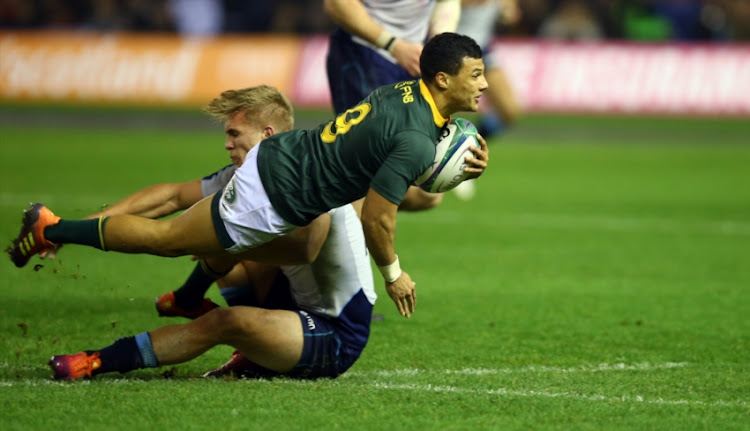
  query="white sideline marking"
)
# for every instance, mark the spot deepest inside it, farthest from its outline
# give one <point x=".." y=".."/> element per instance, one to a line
<point x="501" y="392"/>
<point x="22" y="367"/>
<point x="601" y="222"/>
<point x="527" y="369"/>
<point x="568" y="395"/>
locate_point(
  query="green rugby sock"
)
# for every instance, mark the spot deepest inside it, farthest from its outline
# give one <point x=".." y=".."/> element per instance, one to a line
<point x="83" y="232"/>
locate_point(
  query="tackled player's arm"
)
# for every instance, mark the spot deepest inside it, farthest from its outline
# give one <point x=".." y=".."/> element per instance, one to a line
<point x="156" y="201"/>
<point x="379" y="225"/>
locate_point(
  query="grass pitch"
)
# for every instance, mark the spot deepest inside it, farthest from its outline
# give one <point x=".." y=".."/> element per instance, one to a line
<point x="600" y="279"/>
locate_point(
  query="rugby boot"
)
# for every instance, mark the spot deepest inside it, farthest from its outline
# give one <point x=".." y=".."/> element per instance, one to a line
<point x="167" y="307"/>
<point x="73" y="367"/>
<point x="237" y="366"/>
<point x="31" y="239"/>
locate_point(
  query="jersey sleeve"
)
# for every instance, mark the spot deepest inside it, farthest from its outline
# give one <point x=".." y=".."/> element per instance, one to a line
<point x="215" y="182"/>
<point x="411" y="153"/>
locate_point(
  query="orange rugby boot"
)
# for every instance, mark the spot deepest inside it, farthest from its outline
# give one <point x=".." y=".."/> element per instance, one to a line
<point x="166" y="307"/>
<point x="73" y="367"/>
<point x="237" y="366"/>
<point x="31" y="239"/>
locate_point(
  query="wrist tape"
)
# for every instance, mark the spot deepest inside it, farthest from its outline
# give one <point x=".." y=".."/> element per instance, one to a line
<point x="391" y="272"/>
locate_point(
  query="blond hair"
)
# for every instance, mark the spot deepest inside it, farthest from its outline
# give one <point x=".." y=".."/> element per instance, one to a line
<point x="262" y="105"/>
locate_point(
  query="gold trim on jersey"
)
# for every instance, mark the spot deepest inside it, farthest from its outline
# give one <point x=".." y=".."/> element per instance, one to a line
<point x="439" y="119"/>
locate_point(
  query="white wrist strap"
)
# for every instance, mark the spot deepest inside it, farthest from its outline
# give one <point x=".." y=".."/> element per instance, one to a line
<point x="391" y="272"/>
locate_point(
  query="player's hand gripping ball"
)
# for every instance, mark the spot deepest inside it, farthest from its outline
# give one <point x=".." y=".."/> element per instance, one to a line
<point x="447" y="170"/>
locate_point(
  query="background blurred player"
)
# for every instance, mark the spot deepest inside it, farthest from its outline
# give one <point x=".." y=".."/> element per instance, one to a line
<point x="478" y="18"/>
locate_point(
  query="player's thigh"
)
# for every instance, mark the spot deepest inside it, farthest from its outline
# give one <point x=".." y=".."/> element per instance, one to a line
<point x="194" y="231"/>
<point x="237" y="276"/>
<point x="272" y="339"/>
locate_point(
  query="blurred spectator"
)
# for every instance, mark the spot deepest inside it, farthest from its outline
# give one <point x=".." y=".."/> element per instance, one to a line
<point x="147" y="15"/>
<point x="571" y="20"/>
<point x="106" y="15"/>
<point x="690" y="20"/>
<point x="197" y="17"/>
<point x="18" y="14"/>
<point x="727" y="18"/>
<point x="249" y="16"/>
<point x="695" y="20"/>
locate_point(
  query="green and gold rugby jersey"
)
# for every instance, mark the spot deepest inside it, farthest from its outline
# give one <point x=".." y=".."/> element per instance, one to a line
<point x="385" y="143"/>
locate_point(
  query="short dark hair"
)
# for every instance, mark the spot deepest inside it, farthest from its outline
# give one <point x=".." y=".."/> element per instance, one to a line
<point x="445" y="53"/>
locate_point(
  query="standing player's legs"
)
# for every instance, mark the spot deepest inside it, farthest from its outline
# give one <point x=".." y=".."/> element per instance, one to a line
<point x="478" y="22"/>
<point x="502" y="97"/>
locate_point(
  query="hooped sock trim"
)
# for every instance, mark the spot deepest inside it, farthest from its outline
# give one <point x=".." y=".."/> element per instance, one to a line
<point x="143" y="340"/>
<point x="102" y="222"/>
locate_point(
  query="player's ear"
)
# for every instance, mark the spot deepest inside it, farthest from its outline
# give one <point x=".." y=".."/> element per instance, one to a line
<point x="268" y="131"/>
<point x="441" y="80"/>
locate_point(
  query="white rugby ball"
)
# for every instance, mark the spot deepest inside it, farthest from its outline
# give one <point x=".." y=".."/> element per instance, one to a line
<point x="447" y="170"/>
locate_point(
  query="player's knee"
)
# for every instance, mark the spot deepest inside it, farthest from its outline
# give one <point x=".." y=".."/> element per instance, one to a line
<point x="232" y="323"/>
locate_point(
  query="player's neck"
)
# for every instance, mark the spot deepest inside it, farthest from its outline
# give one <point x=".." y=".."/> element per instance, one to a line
<point x="439" y="100"/>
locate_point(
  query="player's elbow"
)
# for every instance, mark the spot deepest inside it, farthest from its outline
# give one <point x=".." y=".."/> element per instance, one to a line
<point x="417" y="199"/>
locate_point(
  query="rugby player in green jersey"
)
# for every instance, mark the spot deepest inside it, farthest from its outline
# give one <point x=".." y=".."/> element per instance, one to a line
<point x="375" y="150"/>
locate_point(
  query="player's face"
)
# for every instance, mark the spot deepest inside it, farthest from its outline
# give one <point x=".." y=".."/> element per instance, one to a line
<point x="466" y="87"/>
<point x="241" y="137"/>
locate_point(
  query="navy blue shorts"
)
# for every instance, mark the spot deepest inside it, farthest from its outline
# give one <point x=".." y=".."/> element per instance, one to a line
<point x="354" y="71"/>
<point x="324" y="354"/>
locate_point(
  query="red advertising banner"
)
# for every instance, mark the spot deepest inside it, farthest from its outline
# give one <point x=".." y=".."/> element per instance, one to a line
<point x="629" y="78"/>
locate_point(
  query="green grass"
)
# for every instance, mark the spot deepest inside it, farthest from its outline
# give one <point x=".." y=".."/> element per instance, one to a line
<point x="600" y="279"/>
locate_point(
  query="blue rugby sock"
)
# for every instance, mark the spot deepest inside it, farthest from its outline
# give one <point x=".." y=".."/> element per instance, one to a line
<point x="190" y="295"/>
<point x="127" y="354"/>
<point x="240" y="295"/>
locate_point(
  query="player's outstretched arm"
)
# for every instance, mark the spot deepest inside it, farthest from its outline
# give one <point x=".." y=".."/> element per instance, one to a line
<point x="156" y="201"/>
<point x="379" y="225"/>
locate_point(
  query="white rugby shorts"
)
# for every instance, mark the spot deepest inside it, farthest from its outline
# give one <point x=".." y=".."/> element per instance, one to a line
<point x="242" y="213"/>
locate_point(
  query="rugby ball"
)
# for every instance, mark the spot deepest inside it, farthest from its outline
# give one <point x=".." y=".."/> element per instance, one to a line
<point x="447" y="170"/>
